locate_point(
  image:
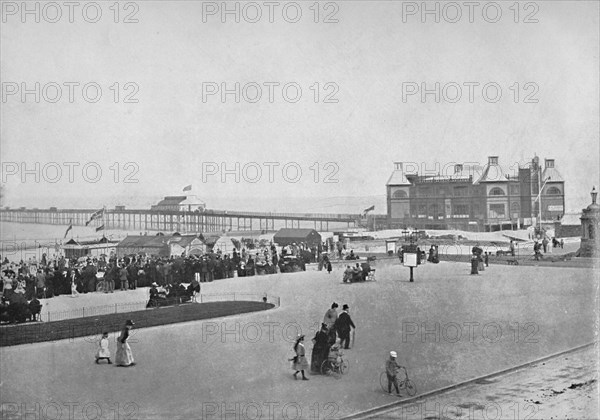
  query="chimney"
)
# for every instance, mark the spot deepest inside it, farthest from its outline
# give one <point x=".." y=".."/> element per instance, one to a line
<point x="458" y="168"/>
<point x="397" y="166"/>
<point x="492" y="160"/>
<point x="549" y="163"/>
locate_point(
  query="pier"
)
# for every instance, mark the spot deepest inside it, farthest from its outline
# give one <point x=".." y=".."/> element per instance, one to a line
<point x="182" y="221"/>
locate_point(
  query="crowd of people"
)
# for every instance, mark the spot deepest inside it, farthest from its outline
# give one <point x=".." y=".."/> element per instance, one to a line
<point x="23" y="283"/>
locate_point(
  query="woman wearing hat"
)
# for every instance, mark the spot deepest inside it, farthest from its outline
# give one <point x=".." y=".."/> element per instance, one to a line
<point x="300" y="363"/>
<point x="124" y="354"/>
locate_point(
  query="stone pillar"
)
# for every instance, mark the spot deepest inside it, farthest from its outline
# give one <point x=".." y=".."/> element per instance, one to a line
<point x="590" y="229"/>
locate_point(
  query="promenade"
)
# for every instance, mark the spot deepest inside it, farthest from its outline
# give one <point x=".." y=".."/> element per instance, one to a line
<point x="447" y="327"/>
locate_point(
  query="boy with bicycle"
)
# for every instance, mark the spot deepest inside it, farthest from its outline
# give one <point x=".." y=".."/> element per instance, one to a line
<point x="391" y="370"/>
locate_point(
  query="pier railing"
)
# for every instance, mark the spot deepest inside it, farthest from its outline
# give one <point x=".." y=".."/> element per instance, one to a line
<point x="197" y="221"/>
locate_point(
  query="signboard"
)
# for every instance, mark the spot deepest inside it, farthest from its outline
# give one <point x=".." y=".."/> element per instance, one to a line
<point x="555" y="208"/>
<point x="390" y="246"/>
<point x="410" y="260"/>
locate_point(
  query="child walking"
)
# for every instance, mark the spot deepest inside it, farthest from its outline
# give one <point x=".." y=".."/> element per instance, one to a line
<point x="103" y="352"/>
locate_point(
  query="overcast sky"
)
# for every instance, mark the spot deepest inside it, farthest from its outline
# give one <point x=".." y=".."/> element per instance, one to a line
<point x="365" y="61"/>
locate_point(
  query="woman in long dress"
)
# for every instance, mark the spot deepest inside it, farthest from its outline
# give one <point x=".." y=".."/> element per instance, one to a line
<point x="124" y="354"/>
<point x="320" y="349"/>
<point x="300" y="363"/>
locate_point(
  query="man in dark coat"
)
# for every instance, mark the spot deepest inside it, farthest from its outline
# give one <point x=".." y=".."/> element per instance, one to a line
<point x="343" y="325"/>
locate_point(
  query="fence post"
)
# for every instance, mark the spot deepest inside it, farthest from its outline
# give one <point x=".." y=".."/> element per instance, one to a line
<point x="83" y="312"/>
<point x="116" y="308"/>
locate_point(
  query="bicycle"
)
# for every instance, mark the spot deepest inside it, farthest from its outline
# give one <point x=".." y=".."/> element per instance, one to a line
<point x="405" y="384"/>
<point x="334" y="365"/>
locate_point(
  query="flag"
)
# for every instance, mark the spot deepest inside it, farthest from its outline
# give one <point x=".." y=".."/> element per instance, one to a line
<point x="69" y="228"/>
<point x="99" y="228"/>
<point x="369" y="209"/>
<point x="188" y="188"/>
<point x="96" y="215"/>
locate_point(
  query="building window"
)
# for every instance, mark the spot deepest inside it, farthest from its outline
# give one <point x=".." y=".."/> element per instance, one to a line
<point x="433" y="210"/>
<point x="553" y="191"/>
<point x="425" y="192"/>
<point x="400" y="194"/>
<point x="515" y="209"/>
<point x="497" y="191"/>
<point x="460" y="191"/>
<point x="461" y="210"/>
<point x="514" y="190"/>
<point x="497" y="210"/>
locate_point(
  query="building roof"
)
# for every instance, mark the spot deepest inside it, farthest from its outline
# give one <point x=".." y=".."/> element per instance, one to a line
<point x="182" y="240"/>
<point x="171" y="200"/>
<point x="571" y="219"/>
<point x="103" y="240"/>
<point x="294" y="235"/>
<point x="177" y="200"/>
<point x="192" y="200"/>
<point x="398" y="178"/>
<point x="144" y="241"/>
<point x="494" y="173"/>
<point x="554" y="175"/>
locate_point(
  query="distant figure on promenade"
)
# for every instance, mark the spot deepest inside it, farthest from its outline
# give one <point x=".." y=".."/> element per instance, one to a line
<point x="348" y="273"/>
<point x="328" y="264"/>
<point x="300" y="364"/>
<point x="331" y="316"/>
<point x="74" y="292"/>
<point x="320" y="349"/>
<point x="391" y="370"/>
<point x="343" y="327"/>
<point x="124" y="355"/>
<point x="536" y="250"/>
<point x="103" y="352"/>
<point x="512" y="248"/>
<point x="474" y="263"/>
<point x="123" y="278"/>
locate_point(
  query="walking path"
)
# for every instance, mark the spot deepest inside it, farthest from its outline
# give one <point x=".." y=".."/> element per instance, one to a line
<point x="561" y="387"/>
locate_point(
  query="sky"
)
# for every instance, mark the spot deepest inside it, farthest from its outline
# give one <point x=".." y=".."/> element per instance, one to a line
<point x="351" y="107"/>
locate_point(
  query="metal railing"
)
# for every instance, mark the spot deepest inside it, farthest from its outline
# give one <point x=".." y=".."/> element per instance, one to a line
<point x="49" y="316"/>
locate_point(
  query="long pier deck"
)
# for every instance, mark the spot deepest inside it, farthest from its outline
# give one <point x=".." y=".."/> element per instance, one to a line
<point x="181" y="221"/>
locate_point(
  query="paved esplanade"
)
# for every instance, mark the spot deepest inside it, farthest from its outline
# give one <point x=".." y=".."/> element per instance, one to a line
<point x="447" y="327"/>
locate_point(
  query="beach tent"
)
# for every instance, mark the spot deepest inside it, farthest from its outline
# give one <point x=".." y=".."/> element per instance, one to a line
<point x="225" y="244"/>
<point x="287" y="236"/>
<point x="78" y="249"/>
<point x="186" y="244"/>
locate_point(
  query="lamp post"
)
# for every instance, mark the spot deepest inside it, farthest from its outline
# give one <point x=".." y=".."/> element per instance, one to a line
<point x="539" y="197"/>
